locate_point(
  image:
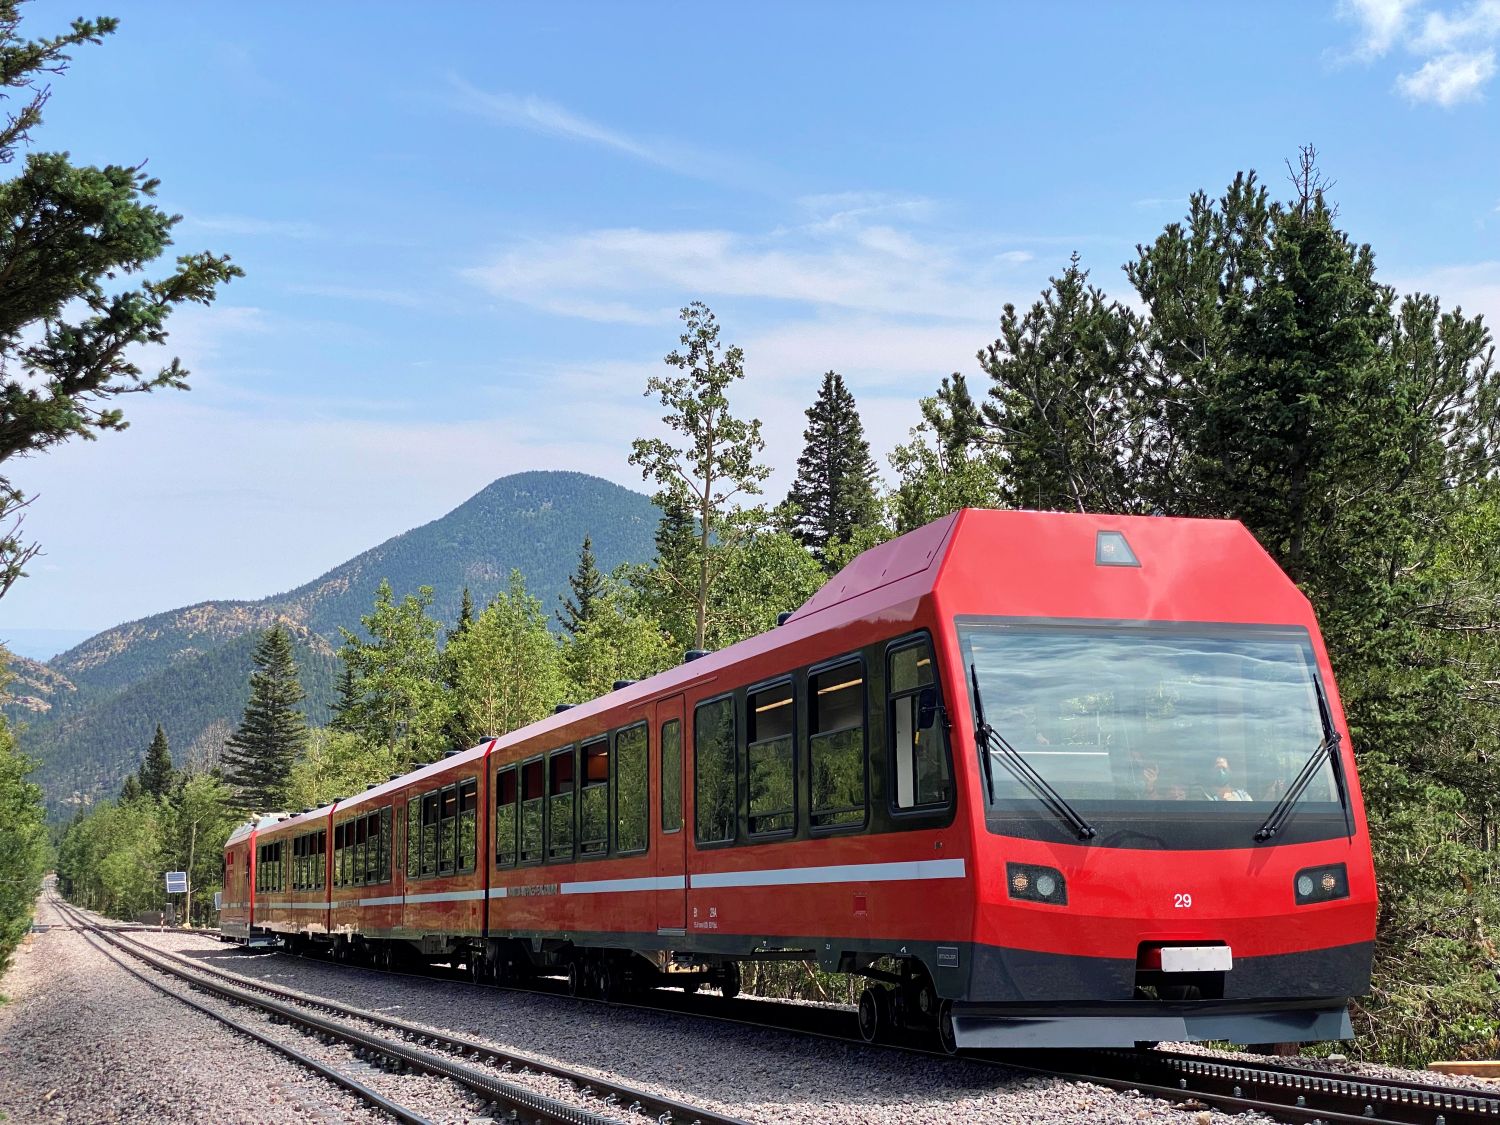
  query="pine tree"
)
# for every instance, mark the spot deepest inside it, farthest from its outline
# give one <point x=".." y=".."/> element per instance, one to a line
<point x="455" y="732"/>
<point x="131" y="790"/>
<point x="157" y="777"/>
<point x="834" y="493"/>
<point x="587" y="586"/>
<point x="273" y="733"/>
<point x="466" y="614"/>
<point x="347" y="697"/>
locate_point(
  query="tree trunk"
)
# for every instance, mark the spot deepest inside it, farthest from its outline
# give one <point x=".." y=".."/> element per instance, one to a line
<point x="192" y="847"/>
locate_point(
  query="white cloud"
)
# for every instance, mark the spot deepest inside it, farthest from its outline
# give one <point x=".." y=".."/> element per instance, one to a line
<point x="538" y="115"/>
<point x="1449" y="79"/>
<point x="632" y="275"/>
<point x="360" y="293"/>
<point x="1456" y="45"/>
<point x="1382" y="22"/>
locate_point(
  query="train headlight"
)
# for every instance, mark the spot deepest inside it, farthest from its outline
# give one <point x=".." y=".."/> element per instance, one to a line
<point x="1322" y="884"/>
<point x="1035" y="883"/>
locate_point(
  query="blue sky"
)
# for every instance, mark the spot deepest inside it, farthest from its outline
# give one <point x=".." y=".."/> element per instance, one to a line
<point x="466" y="234"/>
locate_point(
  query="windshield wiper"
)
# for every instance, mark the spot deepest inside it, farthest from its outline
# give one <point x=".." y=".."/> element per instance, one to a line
<point x="995" y="746"/>
<point x="1329" y="749"/>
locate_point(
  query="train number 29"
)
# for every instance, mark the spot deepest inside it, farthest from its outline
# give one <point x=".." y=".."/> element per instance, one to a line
<point x="1182" y="902"/>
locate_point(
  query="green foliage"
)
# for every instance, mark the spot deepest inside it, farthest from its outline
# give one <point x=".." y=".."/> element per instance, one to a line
<point x="112" y="860"/>
<point x="834" y="493"/>
<point x="945" y="466"/>
<point x="157" y="777"/>
<point x="766" y="573"/>
<point x="507" y="667"/>
<point x="22" y="844"/>
<point x="336" y="764"/>
<point x="714" y="464"/>
<point x="586" y="586"/>
<point x="258" y="757"/>
<point x="399" y="702"/>
<point x="69" y="330"/>
<point x="621" y="642"/>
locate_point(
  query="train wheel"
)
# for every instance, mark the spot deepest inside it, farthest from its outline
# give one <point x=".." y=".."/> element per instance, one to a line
<point x="575" y="979"/>
<point x="729" y="980"/>
<point x="874" y="1015"/>
<point x="947" y="1037"/>
<point x="611" y="987"/>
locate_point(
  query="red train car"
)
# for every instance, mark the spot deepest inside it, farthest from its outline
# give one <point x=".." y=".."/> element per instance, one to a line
<point x="1043" y="779"/>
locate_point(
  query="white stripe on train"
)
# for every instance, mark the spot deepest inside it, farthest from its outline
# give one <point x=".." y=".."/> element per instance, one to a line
<point x="710" y="880"/>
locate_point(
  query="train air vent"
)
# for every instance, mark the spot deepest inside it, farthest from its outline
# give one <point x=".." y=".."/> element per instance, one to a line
<point x="623" y="684"/>
<point x="450" y="753"/>
<point x="783" y="618"/>
<point x="561" y="707"/>
<point x="693" y="654"/>
<point x="1111" y="549"/>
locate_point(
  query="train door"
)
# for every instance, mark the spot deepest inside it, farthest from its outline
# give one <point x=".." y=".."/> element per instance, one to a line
<point x="671" y="856"/>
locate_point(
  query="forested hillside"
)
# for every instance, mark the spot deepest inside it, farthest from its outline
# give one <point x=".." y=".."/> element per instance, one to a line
<point x="90" y="712"/>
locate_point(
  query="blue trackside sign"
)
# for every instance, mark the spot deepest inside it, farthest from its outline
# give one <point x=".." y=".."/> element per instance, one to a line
<point x="176" y="882"/>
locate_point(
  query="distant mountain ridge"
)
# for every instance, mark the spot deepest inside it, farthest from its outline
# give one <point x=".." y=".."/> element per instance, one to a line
<point x="91" y="710"/>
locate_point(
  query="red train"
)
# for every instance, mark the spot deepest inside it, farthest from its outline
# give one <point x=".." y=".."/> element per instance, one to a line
<point x="1044" y="780"/>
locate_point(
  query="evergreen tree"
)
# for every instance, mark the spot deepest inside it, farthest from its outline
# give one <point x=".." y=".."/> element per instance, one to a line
<point x="131" y="790"/>
<point x="346" y="698"/>
<point x="157" y="777"/>
<point x="402" y="706"/>
<point x="716" y="461"/>
<point x="466" y="614"/>
<point x="454" y="732"/>
<point x="587" y="586"/>
<point x="834" y="493"/>
<point x="258" y="757"/>
<point x="507" y="664"/>
<point x="71" y="327"/>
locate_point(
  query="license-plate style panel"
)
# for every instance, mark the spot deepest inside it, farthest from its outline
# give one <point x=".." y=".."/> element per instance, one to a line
<point x="1196" y="959"/>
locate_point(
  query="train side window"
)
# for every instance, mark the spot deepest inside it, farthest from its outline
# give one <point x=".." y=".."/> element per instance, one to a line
<point x="593" y="800"/>
<point x="506" y="802"/>
<point x="533" y="797"/>
<point x="372" y="847"/>
<point x="362" y="850"/>
<point x="320" y="873"/>
<point x="383" y="870"/>
<point x="671" y="776"/>
<point x="632" y="791"/>
<point x="560" y="805"/>
<point x="836" y="746"/>
<point x="448" y="830"/>
<point x="770" y="761"/>
<point x="431" y="807"/>
<point x="413" y="836"/>
<point x="468" y="824"/>
<point x="714" y="782"/>
<point x="338" y="855"/>
<point x="297" y="862"/>
<point x="919" y="755"/>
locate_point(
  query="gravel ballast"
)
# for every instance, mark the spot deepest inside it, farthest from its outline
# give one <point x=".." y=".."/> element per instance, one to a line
<point x="761" y="1075"/>
<point x="83" y="1041"/>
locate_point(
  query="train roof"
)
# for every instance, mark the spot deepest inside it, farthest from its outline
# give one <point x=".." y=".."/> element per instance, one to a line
<point x="1015" y="563"/>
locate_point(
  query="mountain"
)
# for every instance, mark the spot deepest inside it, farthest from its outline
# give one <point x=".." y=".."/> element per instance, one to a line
<point x="188" y="668"/>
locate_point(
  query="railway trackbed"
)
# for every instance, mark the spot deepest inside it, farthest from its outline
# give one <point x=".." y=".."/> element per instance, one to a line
<point x="480" y="1069"/>
<point x="1281" y="1091"/>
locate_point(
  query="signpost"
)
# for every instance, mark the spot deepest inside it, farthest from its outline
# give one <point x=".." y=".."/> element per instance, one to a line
<point x="177" y="884"/>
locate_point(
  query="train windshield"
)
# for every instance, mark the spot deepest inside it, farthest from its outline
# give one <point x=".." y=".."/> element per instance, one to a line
<point x="1152" y="718"/>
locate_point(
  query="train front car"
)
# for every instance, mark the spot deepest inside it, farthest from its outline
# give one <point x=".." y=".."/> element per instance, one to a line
<point x="1169" y="838"/>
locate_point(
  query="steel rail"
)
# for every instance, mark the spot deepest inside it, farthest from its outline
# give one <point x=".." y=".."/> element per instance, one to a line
<point x="524" y="1104"/>
<point x="365" y="1093"/>
<point x="1287" y="1093"/>
<point x="666" y="1110"/>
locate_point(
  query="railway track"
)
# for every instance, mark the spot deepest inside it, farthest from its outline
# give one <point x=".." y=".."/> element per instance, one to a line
<point x="1282" y="1091"/>
<point x="479" y="1068"/>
